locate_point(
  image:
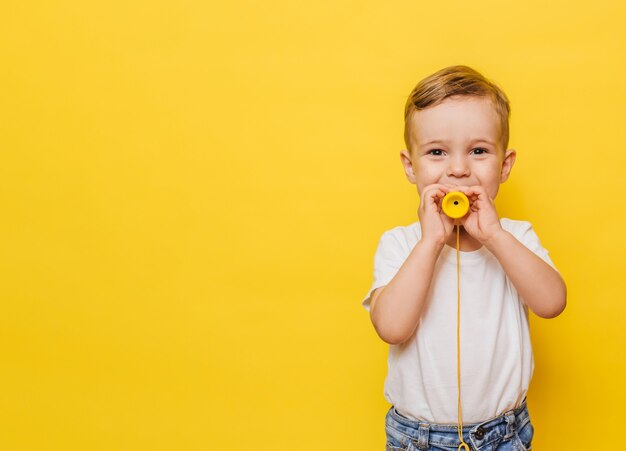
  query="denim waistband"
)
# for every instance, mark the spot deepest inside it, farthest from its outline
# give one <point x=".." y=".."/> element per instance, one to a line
<point x="481" y="434"/>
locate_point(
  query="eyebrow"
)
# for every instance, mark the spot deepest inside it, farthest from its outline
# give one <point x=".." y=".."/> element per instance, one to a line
<point x="443" y="141"/>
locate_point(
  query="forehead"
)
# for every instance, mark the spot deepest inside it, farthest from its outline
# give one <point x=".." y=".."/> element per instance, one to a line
<point x="456" y="119"/>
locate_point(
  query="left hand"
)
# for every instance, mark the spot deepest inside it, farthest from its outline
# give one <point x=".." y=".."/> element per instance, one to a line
<point x="481" y="221"/>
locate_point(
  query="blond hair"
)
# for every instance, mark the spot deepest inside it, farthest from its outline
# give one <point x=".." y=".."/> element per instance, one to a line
<point x="457" y="80"/>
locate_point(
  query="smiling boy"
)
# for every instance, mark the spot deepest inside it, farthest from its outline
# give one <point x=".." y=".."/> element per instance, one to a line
<point x="456" y="134"/>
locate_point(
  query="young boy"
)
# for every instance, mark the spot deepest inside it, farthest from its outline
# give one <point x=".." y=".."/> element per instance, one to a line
<point x="456" y="134"/>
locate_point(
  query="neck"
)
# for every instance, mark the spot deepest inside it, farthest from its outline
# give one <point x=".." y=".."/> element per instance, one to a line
<point x="467" y="243"/>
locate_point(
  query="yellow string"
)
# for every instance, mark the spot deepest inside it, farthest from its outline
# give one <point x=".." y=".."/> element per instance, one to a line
<point x="463" y="445"/>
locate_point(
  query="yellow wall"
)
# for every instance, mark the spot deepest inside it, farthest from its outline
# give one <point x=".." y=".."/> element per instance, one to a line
<point x="192" y="194"/>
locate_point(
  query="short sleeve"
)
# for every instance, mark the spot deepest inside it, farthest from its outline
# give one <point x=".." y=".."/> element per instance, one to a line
<point x="388" y="259"/>
<point x="527" y="236"/>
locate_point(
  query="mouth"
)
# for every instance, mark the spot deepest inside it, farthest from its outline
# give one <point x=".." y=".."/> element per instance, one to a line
<point x="457" y="187"/>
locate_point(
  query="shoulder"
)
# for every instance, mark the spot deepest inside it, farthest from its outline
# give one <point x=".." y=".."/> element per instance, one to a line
<point x="401" y="238"/>
<point x="525" y="233"/>
<point x="516" y="227"/>
<point x="404" y="234"/>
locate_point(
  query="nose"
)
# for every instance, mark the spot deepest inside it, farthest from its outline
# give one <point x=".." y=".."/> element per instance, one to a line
<point x="458" y="167"/>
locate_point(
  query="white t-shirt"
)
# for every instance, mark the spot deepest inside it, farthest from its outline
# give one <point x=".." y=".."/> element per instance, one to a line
<point x="496" y="353"/>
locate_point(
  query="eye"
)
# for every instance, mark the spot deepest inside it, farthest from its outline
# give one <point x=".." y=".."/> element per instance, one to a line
<point x="435" y="152"/>
<point x="479" y="151"/>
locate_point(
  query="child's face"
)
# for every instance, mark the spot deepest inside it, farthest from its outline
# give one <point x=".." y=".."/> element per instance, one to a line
<point x="467" y="151"/>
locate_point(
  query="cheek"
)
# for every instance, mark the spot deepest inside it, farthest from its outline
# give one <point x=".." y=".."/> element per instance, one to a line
<point x="490" y="180"/>
<point x="488" y="173"/>
<point x="428" y="173"/>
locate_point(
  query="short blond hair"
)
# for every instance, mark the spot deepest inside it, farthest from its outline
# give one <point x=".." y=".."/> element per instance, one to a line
<point x="457" y="80"/>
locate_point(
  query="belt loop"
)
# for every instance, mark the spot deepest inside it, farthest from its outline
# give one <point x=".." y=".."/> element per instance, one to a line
<point x="510" y="424"/>
<point x="422" y="438"/>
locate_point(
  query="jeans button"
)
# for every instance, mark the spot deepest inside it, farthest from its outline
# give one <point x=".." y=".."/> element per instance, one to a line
<point x="480" y="433"/>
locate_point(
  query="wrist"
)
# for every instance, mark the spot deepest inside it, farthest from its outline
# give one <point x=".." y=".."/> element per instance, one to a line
<point x="432" y="244"/>
<point x="496" y="239"/>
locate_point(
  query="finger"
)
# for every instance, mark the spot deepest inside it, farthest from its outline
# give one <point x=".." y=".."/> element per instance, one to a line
<point x="433" y="192"/>
<point x="439" y="186"/>
<point x="477" y="191"/>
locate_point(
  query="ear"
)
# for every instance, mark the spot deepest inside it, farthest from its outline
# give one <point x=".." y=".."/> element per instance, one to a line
<point x="407" y="163"/>
<point x="507" y="164"/>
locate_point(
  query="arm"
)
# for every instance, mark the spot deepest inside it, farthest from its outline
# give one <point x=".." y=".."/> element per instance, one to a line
<point x="396" y="308"/>
<point x="540" y="286"/>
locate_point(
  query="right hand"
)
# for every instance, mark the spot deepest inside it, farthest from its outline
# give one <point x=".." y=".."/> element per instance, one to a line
<point x="436" y="225"/>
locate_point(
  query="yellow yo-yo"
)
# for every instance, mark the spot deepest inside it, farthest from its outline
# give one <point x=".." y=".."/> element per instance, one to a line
<point x="455" y="204"/>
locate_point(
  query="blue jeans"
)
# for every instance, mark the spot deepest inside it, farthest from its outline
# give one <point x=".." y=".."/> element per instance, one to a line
<point x="511" y="431"/>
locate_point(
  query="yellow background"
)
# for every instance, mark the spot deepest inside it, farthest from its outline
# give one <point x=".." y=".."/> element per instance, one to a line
<point x="192" y="194"/>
